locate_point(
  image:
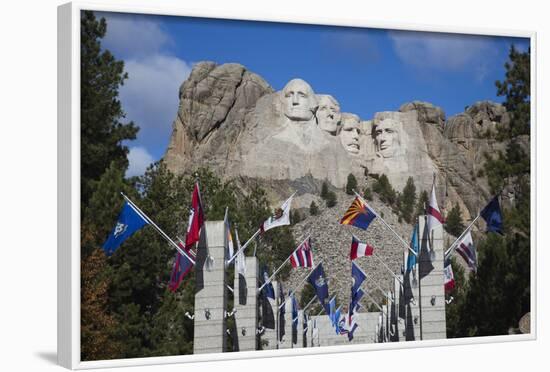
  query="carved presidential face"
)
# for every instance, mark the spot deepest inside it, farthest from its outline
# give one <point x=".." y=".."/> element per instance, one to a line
<point x="299" y="101"/>
<point x="349" y="133"/>
<point x="328" y="113"/>
<point x="386" y="137"/>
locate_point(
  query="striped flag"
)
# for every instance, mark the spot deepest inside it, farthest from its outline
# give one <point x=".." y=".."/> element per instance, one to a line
<point x="358" y="214"/>
<point x="303" y="255"/>
<point x="435" y="218"/>
<point x="359" y="249"/>
<point x="449" y="278"/>
<point x="467" y="251"/>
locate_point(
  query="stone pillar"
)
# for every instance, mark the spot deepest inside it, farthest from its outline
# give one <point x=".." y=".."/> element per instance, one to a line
<point x="268" y="339"/>
<point x="210" y="295"/>
<point x="246" y="306"/>
<point x="286" y="341"/>
<point x="432" y="292"/>
<point x="300" y="331"/>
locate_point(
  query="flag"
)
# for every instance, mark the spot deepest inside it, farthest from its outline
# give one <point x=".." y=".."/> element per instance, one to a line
<point x="267" y="290"/>
<point x="435" y="218"/>
<point x="303" y="255"/>
<point x="240" y="263"/>
<point x="294" y="319"/>
<point x="337" y="316"/>
<point x="449" y="278"/>
<point x="493" y="216"/>
<point x="318" y="280"/>
<point x="280" y="217"/>
<point x="332" y="310"/>
<point x="182" y="266"/>
<point x="129" y="221"/>
<point x="358" y="277"/>
<point x="230" y="243"/>
<point x="359" y="249"/>
<point x="467" y="251"/>
<point x="415" y="246"/>
<point x="358" y="214"/>
<point x="352" y="326"/>
<point x="196" y="218"/>
<point x="282" y="312"/>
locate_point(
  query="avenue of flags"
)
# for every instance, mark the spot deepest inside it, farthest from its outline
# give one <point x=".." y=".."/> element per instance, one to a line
<point x="359" y="215"/>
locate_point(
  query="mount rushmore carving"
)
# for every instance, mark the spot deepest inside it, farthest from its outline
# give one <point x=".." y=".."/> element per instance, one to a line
<point x="231" y="120"/>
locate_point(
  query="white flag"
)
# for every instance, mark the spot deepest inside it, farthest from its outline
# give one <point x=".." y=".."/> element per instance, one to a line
<point x="435" y="218"/>
<point x="281" y="217"/>
<point x="240" y="260"/>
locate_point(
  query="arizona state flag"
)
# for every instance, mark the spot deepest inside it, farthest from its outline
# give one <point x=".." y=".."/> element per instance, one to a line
<point x="196" y="218"/>
<point x="358" y="214"/>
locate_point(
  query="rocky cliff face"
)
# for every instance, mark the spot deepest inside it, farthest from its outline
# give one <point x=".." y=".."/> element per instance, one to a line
<point x="232" y="121"/>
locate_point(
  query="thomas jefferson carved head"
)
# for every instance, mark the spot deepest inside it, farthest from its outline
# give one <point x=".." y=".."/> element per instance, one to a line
<point x="299" y="101"/>
<point x="328" y="113"/>
<point x="387" y="139"/>
<point x="349" y="132"/>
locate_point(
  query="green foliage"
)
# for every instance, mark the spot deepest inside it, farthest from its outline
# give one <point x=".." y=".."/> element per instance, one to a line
<point x="423" y="200"/>
<point x="296" y="217"/>
<point x="407" y="201"/>
<point x="351" y="184"/>
<point x="324" y="190"/>
<point x="102" y="131"/>
<point x="453" y="222"/>
<point x="331" y="199"/>
<point x="453" y="310"/>
<point x="367" y="193"/>
<point x="313" y="209"/>
<point x="384" y="189"/>
<point x="498" y="295"/>
<point x="516" y="88"/>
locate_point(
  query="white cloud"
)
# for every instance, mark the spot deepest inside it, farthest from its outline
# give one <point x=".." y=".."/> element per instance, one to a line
<point x="150" y="95"/>
<point x="445" y="52"/>
<point x="139" y="159"/>
<point x="130" y="36"/>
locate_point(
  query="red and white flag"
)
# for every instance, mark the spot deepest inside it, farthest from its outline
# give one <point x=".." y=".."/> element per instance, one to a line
<point x="449" y="278"/>
<point x="435" y="218"/>
<point x="196" y="218"/>
<point x="359" y="249"/>
<point x="467" y="251"/>
<point x="303" y="255"/>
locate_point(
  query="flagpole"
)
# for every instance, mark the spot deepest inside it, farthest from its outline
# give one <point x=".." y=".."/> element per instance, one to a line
<point x="309" y="303"/>
<point x="385" y="223"/>
<point x="387" y="268"/>
<point x="251" y="238"/>
<point x="301" y="282"/>
<point x="280" y="267"/>
<point x="162" y="233"/>
<point x="455" y="243"/>
<point x="244" y="246"/>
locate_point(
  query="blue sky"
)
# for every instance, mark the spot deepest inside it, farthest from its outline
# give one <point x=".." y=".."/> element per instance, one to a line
<point x="366" y="70"/>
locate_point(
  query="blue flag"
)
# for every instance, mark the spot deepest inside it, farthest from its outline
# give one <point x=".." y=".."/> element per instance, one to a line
<point x="358" y="277"/>
<point x="332" y="310"/>
<point x="282" y="311"/>
<point x="415" y="246"/>
<point x="294" y="312"/>
<point x="267" y="290"/>
<point x="129" y="221"/>
<point x="318" y="280"/>
<point x="493" y="216"/>
<point x="337" y="316"/>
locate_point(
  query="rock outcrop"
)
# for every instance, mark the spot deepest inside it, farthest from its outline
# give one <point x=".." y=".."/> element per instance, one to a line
<point x="231" y="120"/>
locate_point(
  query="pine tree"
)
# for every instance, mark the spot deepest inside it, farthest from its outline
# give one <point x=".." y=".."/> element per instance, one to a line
<point x="453" y="222"/>
<point x="407" y="200"/>
<point x="102" y="131"/>
<point x="324" y="190"/>
<point x="351" y="184"/>
<point x="516" y="88"/>
<point x="423" y="200"/>
<point x="313" y="209"/>
<point x="384" y="189"/>
<point x="331" y="199"/>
